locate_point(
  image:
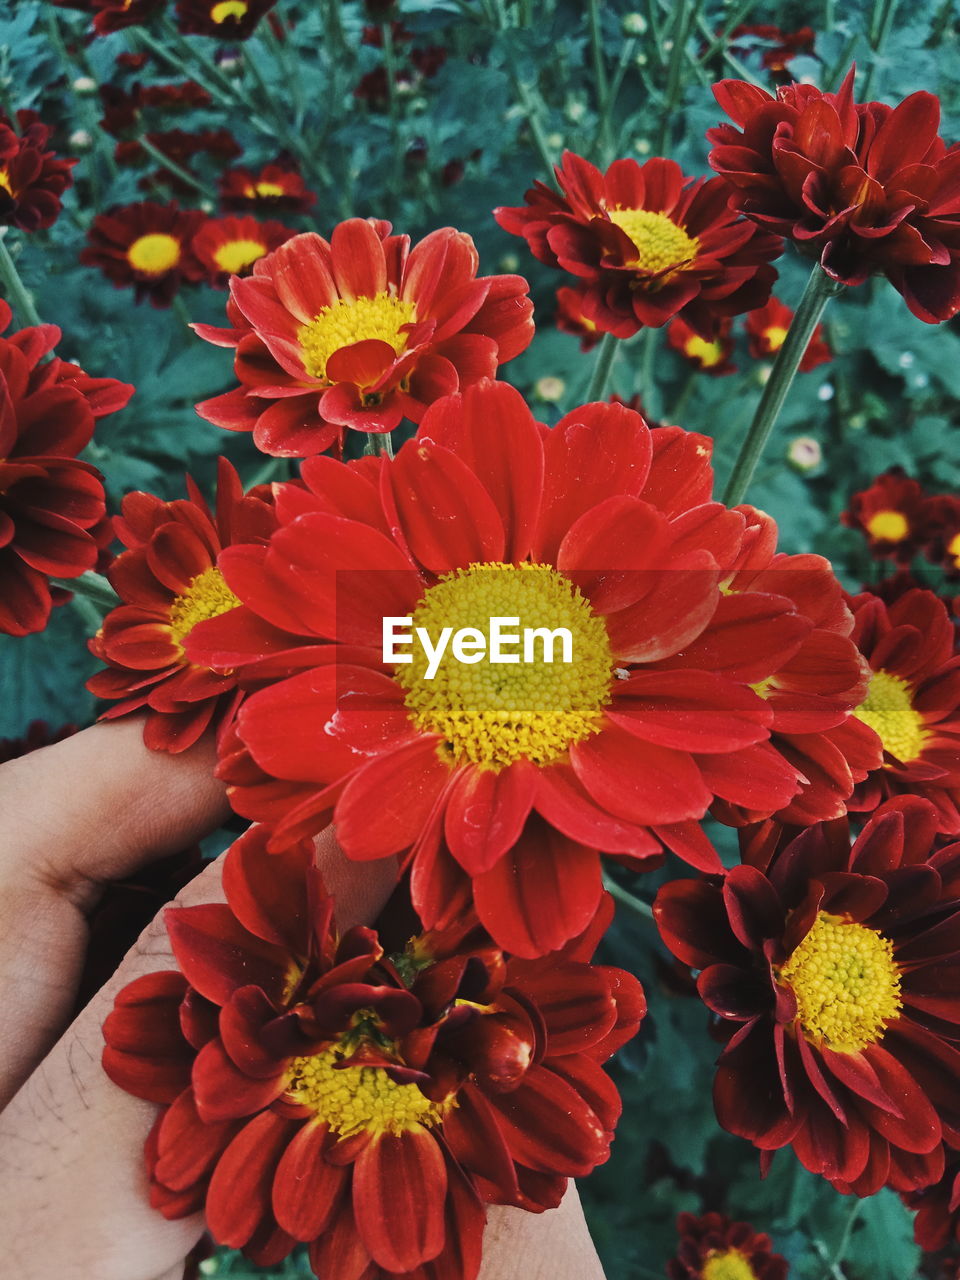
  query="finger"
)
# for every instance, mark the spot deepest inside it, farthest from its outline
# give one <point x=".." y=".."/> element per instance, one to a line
<point x="555" y="1245"/>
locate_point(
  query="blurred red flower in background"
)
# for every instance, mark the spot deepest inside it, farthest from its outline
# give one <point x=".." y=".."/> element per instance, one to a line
<point x="32" y="180"/>
<point x="571" y="319"/>
<point x="894" y="513"/>
<point x="146" y="246"/>
<point x="713" y="357"/>
<point x="230" y="246"/>
<point x="275" y="188"/>
<point x="221" y="19"/>
<point x="767" y="327"/>
<point x="715" y="1248"/>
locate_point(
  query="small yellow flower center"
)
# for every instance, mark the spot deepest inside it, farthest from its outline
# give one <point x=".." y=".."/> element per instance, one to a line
<point x="357" y="1099"/>
<point x="154" y="254"/>
<point x="890" y="526"/>
<point x="236" y="255"/>
<point x="774" y="336"/>
<point x="708" y="353"/>
<point x="5" y="182"/>
<point x="953" y="549"/>
<point x="888" y="710"/>
<point x="265" y="189"/>
<point x="846" y="982"/>
<point x="729" y="1265"/>
<point x="345" y="323"/>
<point x="661" y="245"/>
<point x="207" y="596"/>
<point x="229" y="9"/>
<point x="495" y="713"/>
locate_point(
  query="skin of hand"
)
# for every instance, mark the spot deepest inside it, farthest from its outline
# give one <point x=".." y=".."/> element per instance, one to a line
<point x="73" y="1191"/>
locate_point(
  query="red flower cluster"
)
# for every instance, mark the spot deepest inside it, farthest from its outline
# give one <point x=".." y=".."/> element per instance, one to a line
<point x="317" y="1089"/>
<point x="901" y="521"/>
<point x="647" y="243"/>
<point x="50" y="503"/>
<point x="714" y="1248"/>
<point x="32" y="180"/>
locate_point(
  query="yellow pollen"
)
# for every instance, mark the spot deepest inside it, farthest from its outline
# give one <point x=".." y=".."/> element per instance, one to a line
<point x="229" y="9"/>
<point x="493" y="714"/>
<point x="265" y="189"/>
<point x="888" y="526"/>
<point x="236" y="255"/>
<point x="708" y="353"/>
<point x="846" y="982"/>
<point x="356" y="1099"/>
<point x="729" y="1265"/>
<point x="661" y="245"/>
<point x="207" y="596"/>
<point x="345" y="323"/>
<point x="154" y="254"/>
<point x="774" y="337"/>
<point x="953" y="549"/>
<point x="5" y="182"/>
<point x="888" y="710"/>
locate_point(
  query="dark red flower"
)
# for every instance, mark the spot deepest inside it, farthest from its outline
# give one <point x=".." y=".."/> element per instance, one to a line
<point x="168" y="581"/>
<point x="834" y="971"/>
<point x="713" y="357"/>
<point x="937" y="1208"/>
<point x="866" y="188"/>
<point x="779" y="47"/>
<point x="32" y="180"/>
<point x="359" y="333"/>
<point x="276" y="188"/>
<point x="147" y="246"/>
<point x="767" y="327"/>
<point x="715" y="1248"/>
<point x="942" y="531"/>
<point x="114" y="15"/>
<point x="231" y="246"/>
<point x="571" y="318"/>
<point x="221" y="19"/>
<point x="50" y="503"/>
<point x="316" y="1089"/>
<point x="647" y="244"/>
<point x="38" y="734"/>
<point x="893" y="513"/>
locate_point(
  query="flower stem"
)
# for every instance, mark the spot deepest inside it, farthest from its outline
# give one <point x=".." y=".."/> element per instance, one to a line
<point x="820" y="288"/>
<point x="18" y="294"/>
<point x="684" y="13"/>
<point x="177" y="170"/>
<point x="607" y="353"/>
<point x="628" y="899"/>
<point x="526" y="99"/>
<point x="881" y="23"/>
<point x="93" y="587"/>
<point x="600" y="82"/>
<point x="378" y="442"/>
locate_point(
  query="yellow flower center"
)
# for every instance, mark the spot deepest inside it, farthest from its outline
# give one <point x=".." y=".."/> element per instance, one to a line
<point x="953" y="549"/>
<point x="888" y="710"/>
<point x="729" y="1265"/>
<point x="890" y="526"/>
<point x="774" y="337"/>
<point x="345" y="323"/>
<point x="357" y="1099"/>
<point x="495" y="713"/>
<point x="207" y="596"/>
<point x="661" y="245"/>
<point x="236" y="255"/>
<point x="229" y="9"/>
<point x="265" y="189"/>
<point x="846" y="982"/>
<point x="708" y="353"/>
<point x="154" y="254"/>
<point x="5" y="182"/>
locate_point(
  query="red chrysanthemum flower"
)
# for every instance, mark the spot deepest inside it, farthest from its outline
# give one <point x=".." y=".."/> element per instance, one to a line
<point x="359" y="333"/>
<point x="512" y="777"/>
<point x="50" y="503"/>
<point x="936" y="1225"/>
<point x="894" y="513"/>
<point x="276" y="188"/>
<point x="913" y="702"/>
<point x="316" y="1089"/>
<point x="32" y="181"/>
<point x="716" y="1248"/>
<point x="780" y="47"/>
<point x="146" y="246"/>
<point x="713" y="357"/>
<point x="168" y="581"/>
<point x="866" y="188"/>
<point x="942" y="532"/>
<point x="767" y="327"/>
<point x="231" y="246"/>
<point x="114" y="15"/>
<point x="571" y="319"/>
<point x="647" y="243"/>
<point x="834" y="970"/>
<point x="221" y="19"/>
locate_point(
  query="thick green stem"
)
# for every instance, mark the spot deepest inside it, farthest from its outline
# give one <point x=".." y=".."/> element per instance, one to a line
<point x="820" y="289"/>
<point x="881" y="23"/>
<point x="93" y="587"/>
<point x="600" y="83"/>
<point x="378" y="442"/>
<point x="18" y="295"/>
<point x="628" y="899"/>
<point x="684" y="14"/>
<point x="606" y="354"/>
<point x="719" y="42"/>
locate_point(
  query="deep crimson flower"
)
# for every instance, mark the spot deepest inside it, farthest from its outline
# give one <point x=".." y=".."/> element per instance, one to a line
<point x="715" y="1248"/>
<point x="168" y="581"/>
<point x="359" y="333"/>
<point x="942" y="521"/>
<point x="114" y="15"/>
<point x="571" y="319"/>
<point x="834" y="972"/>
<point x="180" y="146"/>
<point x="185" y="93"/>
<point x="937" y="1209"/>
<point x="713" y="357"/>
<point x="50" y="503"/>
<point x="230" y="246"/>
<point x="647" y="244"/>
<point x="913" y="702"/>
<point x="781" y="46"/>
<point x="893" y="513"/>
<point x="147" y="246"/>
<point x="767" y="327"/>
<point x="221" y="19"/>
<point x="316" y="1089"/>
<point x="515" y="780"/>
<point x="276" y="188"/>
<point x="866" y="188"/>
<point x="32" y="180"/>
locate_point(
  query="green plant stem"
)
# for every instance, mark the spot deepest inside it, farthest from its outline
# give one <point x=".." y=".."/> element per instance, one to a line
<point x="93" y="587"/>
<point x="378" y="442"/>
<point x="844" y="1242"/>
<point x="600" y="82"/>
<point x="177" y="170"/>
<point x="280" y="46"/>
<point x="719" y="41"/>
<point x="393" y="99"/>
<point x="686" y="391"/>
<point x="335" y="37"/>
<point x="940" y="23"/>
<point x="606" y="354"/>
<point x="628" y="899"/>
<point x="820" y="288"/>
<point x="19" y="296"/>
<point x="648" y="381"/>
<point x="881" y="23"/>
<point x="682" y="15"/>
<point x="526" y="99"/>
<point x="180" y="307"/>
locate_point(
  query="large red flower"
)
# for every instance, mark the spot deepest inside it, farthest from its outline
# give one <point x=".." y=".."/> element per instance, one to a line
<point x="647" y="243"/>
<point x="168" y="581"/>
<point x="146" y="245"/>
<point x="316" y="1089"/>
<point x="913" y="702"/>
<point x="864" y="187"/>
<point x="834" y="970"/>
<point x="50" y="503"/>
<point x="361" y="332"/>
<point x="512" y="775"/>
<point x="32" y="181"/>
